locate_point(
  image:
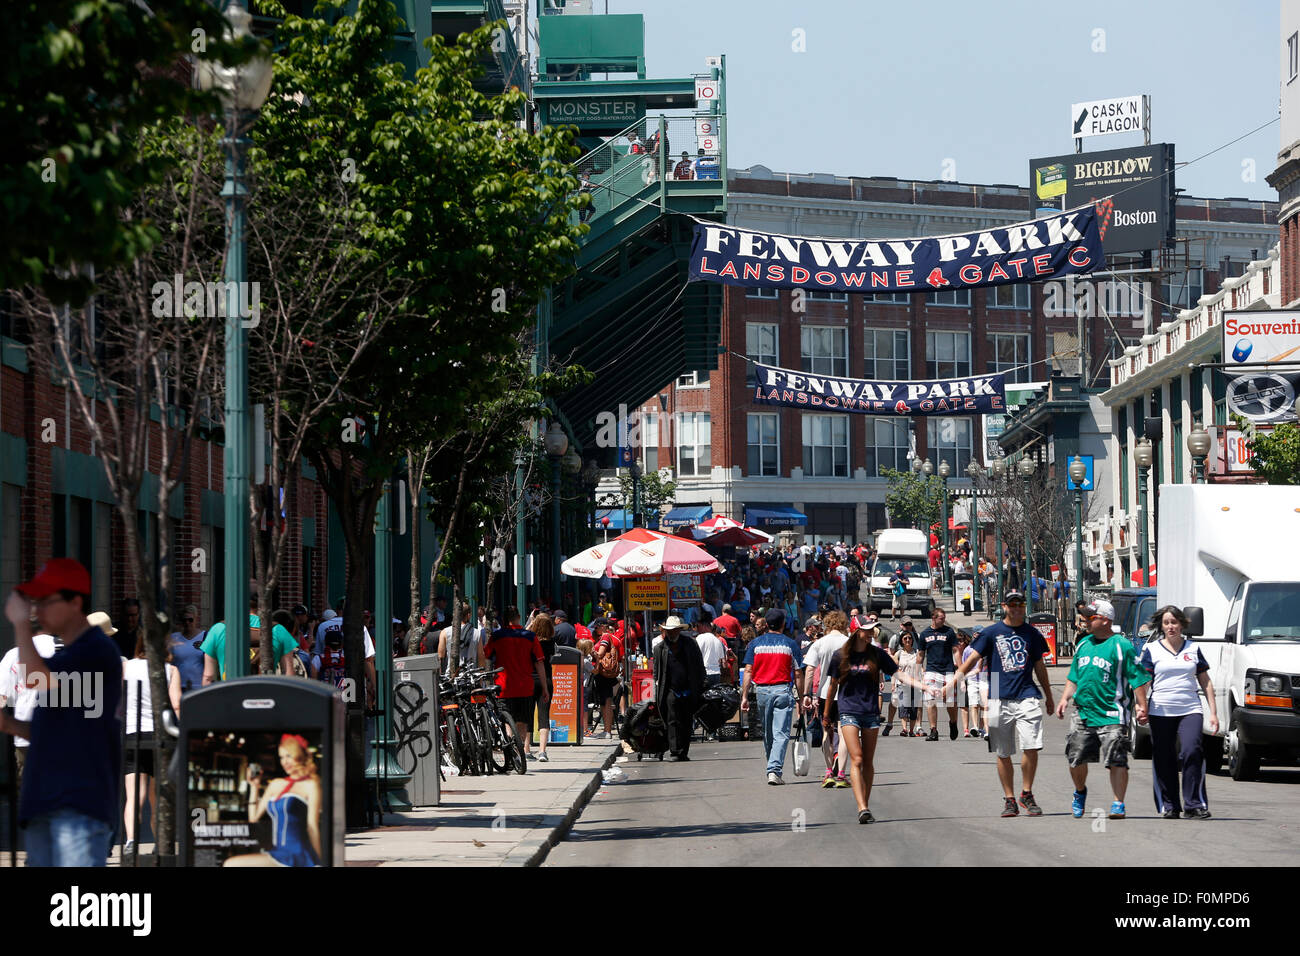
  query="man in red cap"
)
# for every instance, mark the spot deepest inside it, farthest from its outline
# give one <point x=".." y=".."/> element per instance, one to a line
<point x="69" y="797"/>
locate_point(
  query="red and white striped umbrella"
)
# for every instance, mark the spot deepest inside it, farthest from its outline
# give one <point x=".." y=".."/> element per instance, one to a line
<point x="721" y="531"/>
<point x="596" y="561"/>
<point x="668" y="555"/>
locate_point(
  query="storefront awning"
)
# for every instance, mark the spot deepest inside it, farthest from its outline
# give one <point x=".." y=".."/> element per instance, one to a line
<point x="619" y="519"/>
<point x="775" y="516"/>
<point x="686" y="516"/>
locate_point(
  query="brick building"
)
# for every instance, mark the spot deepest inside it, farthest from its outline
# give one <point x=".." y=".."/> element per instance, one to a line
<point x="822" y="473"/>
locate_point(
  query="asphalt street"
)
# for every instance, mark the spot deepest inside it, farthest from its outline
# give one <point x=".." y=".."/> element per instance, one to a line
<point x="936" y="804"/>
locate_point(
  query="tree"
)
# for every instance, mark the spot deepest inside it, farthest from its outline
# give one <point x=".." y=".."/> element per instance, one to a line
<point x="1274" y="455"/>
<point x="135" y="349"/>
<point x="79" y="81"/>
<point x="912" y="500"/>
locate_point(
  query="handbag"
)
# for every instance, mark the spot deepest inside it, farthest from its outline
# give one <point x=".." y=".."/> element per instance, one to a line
<point x="800" y="753"/>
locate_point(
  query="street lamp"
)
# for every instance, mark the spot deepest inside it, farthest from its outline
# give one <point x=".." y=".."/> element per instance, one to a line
<point x="635" y="470"/>
<point x="975" y="472"/>
<point x="1142" y="458"/>
<point x="1198" y="443"/>
<point x="944" y="472"/>
<point x="557" y="443"/>
<point x="998" y="471"/>
<point x="242" y="90"/>
<point x="1026" y="469"/>
<point x="1078" y="472"/>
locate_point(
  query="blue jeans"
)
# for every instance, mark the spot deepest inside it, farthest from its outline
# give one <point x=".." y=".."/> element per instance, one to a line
<point x="67" y="838"/>
<point x="776" y="705"/>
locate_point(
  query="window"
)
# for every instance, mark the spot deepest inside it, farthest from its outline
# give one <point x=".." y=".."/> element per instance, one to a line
<point x="763" y="446"/>
<point x="947" y="354"/>
<point x="760" y="346"/>
<point x="1012" y="296"/>
<point x="693" y="380"/>
<point x="893" y="298"/>
<point x="1182" y="289"/>
<point x="949" y="440"/>
<point x="826" y="446"/>
<point x="649" y="441"/>
<point x="824" y="351"/>
<point x="693" y="450"/>
<point x="1121" y="433"/>
<point x="887" y="446"/>
<point x="762" y="293"/>
<point x="823" y="295"/>
<point x="1009" y="352"/>
<point x="1293" y="56"/>
<point x="950" y="297"/>
<point x="887" y="355"/>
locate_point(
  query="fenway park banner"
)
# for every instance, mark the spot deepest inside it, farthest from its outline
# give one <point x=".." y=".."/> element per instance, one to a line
<point x="977" y="395"/>
<point x="1068" y="243"/>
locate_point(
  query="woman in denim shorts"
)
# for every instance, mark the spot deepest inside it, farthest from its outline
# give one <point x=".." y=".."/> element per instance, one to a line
<point x="855" y="673"/>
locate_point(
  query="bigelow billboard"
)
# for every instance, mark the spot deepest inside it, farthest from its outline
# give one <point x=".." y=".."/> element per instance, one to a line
<point x="1140" y="216"/>
<point x="1126" y="114"/>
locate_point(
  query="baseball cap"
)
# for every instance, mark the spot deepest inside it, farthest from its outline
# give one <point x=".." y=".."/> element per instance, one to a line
<point x="775" y="619"/>
<point x="327" y="615"/>
<point x="299" y="609"/>
<point x="561" y="614"/>
<point x="57" y="574"/>
<point x="1100" y="608"/>
<point x="1014" y="596"/>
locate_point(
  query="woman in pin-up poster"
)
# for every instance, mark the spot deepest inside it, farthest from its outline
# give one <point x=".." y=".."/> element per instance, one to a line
<point x="294" y="803"/>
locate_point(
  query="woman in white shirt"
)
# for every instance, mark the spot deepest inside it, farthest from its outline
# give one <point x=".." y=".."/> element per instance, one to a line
<point x="909" y="700"/>
<point x="1174" y="711"/>
<point x="138" y="758"/>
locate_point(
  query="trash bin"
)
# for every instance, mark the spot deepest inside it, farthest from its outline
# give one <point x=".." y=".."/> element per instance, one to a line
<point x="418" y="746"/>
<point x="963" y="585"/>
<point x="1045" y="621"/>
<point x="567" y="701"/>
<point x="248" y="747"/>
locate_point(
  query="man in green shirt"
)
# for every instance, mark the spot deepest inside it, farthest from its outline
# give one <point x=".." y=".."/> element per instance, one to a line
<point x="283" y="647"/>
<point x="1104" y="673"/>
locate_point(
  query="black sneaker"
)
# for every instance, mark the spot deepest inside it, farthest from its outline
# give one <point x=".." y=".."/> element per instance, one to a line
<point x="952" y="731"/>
<point x="1009" y="808"/>
<point x="1030" y="804"/>
<point x="864" y="816"/>
<point x="888" y="728"/>
<point x="1200" y="813"/>
<point x="1172" y="814"/>
<point x="934" y="734"/>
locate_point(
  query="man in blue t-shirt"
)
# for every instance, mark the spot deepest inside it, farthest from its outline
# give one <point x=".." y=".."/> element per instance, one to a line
<point x="1015" y="651"/>
<point x="939" y="645"/>
<point x="70" y="784"/>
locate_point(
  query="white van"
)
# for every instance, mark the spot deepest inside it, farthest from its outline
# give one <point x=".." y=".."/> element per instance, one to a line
<point x="908" y="550"/>
<point x="1229" y="550"/>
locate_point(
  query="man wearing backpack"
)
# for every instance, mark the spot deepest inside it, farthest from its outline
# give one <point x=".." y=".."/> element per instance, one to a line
<point x="898" y="583"/>
<point x="606" y="669"/>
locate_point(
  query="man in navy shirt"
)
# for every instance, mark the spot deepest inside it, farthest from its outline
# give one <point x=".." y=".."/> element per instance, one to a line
<point x="939" y="645"/>
<point x="70" y="786"/>
<point x="1015" y="652"/>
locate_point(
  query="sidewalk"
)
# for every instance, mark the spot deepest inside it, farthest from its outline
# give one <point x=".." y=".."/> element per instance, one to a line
<point x="498" y="820"/>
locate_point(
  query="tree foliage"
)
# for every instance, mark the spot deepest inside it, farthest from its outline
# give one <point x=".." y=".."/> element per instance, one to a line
<point x="1275" y="455"/>
<point x="912" y="500"/>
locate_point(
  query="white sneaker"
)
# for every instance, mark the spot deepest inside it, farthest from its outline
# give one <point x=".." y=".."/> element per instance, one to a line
<point x="774" y="780"/>
<point x="541" y="756"/>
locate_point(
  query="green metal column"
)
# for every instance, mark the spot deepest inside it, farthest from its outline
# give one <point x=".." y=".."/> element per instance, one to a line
<point x="1078" y="544"/>
<point x="385" y="777"/>
<point x="521" y="540"/>
<point x="235" y="490"/>
<point x="1027" y="571"/>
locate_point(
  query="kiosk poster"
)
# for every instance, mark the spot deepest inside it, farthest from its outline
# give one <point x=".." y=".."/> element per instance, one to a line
<point x="255" y="798"/>
<point x="684" y="590"/>
<point x="565" y="704"/>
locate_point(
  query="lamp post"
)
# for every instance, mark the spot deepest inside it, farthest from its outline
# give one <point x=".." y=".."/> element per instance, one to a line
<point x="975" y="472"/>
<point x="572" y="468"/>
<point x="1026" y="469"/>
<point x="1078" y="471"/>
<point x="998" y="471"/>
<point x="557" y="443"/>
<point x="1198" y="443"/>
<point x="1142" y="458"/>
<point x="944" y="472"/>
<point x="637" y="520"/>
<point x="243" y="90"/>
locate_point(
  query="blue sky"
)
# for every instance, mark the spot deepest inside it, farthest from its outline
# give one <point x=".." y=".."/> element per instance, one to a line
<point x="898" y="89"/>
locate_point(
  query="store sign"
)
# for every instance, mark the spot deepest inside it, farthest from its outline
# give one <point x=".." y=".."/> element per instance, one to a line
<point x="1236" y="453"/>
<point x="1067" y="243"/>
<point x="565" y="703"/>
<point x="994" y="425"/>
<point x="1254" y="337"/>
<point x="647" y="595"/>
<point x="1134" y="188"/>
<point x="1262" y="396"/>
<point x="1103" y="117"/>
<point x="684" y="590"/>
<point x="976" y="395"/>
<point x="603" y="112"/>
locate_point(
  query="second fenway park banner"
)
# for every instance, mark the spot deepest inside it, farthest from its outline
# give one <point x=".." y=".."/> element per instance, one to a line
<point x="1068" y="243"/>
<point x="977" y="395"/>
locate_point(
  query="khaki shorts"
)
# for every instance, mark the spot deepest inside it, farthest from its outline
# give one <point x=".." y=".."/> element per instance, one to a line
<point x="1015" y="723"/>
<point x="1107" y="744"/>
<point x="934" y="682"/>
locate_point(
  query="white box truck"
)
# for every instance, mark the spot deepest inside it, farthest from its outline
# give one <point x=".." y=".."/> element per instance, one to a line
<point x="1230" y="550"/>
<point x="909" y="550"/>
